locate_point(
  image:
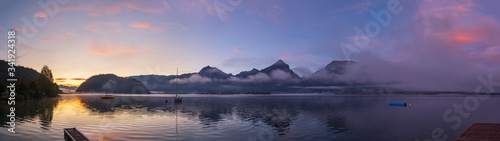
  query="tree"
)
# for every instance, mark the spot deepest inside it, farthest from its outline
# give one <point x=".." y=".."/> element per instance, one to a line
<point x="21" y="90"/>
<point x="47" y="73"/>
<point x="46" y="83"/>
<point x="33" y="89"/>
<point x="2" y="87"/>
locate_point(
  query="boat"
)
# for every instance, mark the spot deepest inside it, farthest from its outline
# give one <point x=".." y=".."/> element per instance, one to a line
<point x="71" y="134"/>
<point x="401" y="104"/>
<point x="177" y="98"/>
<point x="107" y="96"/>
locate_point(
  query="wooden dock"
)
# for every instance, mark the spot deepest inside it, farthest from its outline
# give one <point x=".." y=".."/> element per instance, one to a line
<point x="481" y="132"/>
<point x="71" y="134"/>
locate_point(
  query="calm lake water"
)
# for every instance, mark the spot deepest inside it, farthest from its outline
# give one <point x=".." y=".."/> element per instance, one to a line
<point x="243" y="117"/>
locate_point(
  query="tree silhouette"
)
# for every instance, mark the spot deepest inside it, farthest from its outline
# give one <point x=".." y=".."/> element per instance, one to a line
<point x="46" y="83"/>
<point x="47" y="73"/>
<point x="34" y="92"/>
<point x="3" y="87"/>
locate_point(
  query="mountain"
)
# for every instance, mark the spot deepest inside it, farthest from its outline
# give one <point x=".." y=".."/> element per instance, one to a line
<point x="280" y="65"/>
<point x="335" y="67"/>
<point x="213" y="72"/>
<point x="67" y="89"/>
<point x="213" y="80"/>
<point x="22" y="73"/>
<point x="111" y="83"/>
<point x="245" y="74"/>
<point x="277" y="77"/>
<point x="330" y="73"/>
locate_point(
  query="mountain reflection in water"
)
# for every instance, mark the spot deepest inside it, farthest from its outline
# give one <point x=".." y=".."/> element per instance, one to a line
<point x="237" y="117"/>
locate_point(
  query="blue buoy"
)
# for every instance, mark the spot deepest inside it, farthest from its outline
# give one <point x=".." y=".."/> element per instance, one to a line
<point x="397" y="104"/>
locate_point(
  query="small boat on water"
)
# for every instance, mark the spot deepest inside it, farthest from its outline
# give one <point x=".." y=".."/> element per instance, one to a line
<point x="107" y="96"/>
<point x="177" y="98"/>
<point x="401" y="104"/>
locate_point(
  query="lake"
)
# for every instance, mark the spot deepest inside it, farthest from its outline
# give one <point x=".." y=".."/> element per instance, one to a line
<point x="247" y="117"/>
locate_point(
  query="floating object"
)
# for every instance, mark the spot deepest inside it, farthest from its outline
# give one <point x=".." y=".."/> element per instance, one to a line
<point x="166" y="101"/>
<point x="107" y="97"/>
<point x="397" y="104"/>
<point x="482" y="132"/>
<point x="71" y="134"/>
<point x="177" y="98"/>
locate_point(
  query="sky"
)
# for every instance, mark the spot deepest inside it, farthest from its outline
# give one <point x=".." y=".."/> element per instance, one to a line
<point x="432" y="41"/>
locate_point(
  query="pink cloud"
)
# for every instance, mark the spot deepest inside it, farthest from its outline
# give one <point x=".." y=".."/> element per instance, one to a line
<point x="148" y="7"/>
<point x="173" y="25"/>
<point x="466" y="37"/>
<point x="95" y="26"/>
<point x="23" y="30"/>
<point x="40" y="15"/>
<point x="456" y="6"/>
<point x="107" y="50"/>
<point x="72" y="34"/>
<point x="142" y="25"/>
<point x="46" y="39"/>
<point x="54" y="37"/>
<point x="93" y="14"/>
<point x="467" y="29"/>
<point x="167" y="26"/>
<point x="237" y="49"/>
<point x="446" y="47"/>
<point x="111" y="8"/>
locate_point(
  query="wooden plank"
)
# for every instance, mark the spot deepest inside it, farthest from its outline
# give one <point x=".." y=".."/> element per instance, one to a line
<point x="71" y="134"/>
<point x="481" y="132"/>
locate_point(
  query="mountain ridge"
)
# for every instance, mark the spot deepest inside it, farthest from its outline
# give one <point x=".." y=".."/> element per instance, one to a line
<point x="110" y="83"/>
<point x="273" y="78"/>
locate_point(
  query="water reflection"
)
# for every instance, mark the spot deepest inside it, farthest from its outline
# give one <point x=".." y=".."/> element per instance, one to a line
<point x="336" y="124"/>
<point x="208" y="111"/>
<point x="278" y="112"/>
<point x="200" y="117"/>
<point x="120" y="103"/>
<point x="26" y="111"/>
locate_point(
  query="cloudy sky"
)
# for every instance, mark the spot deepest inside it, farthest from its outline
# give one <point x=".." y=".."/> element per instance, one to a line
<point x="78" y="39"/>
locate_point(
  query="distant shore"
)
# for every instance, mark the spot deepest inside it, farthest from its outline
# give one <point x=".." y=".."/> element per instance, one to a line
<point x="340" y="93"/>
